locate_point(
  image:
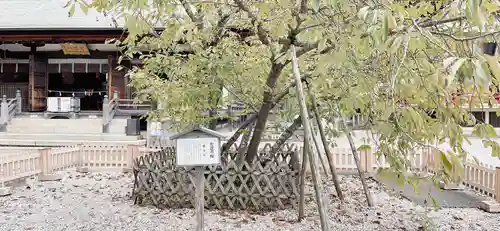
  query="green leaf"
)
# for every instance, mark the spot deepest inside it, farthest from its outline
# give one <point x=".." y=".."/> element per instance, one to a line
<point x="391" y="21"/>
<point x="435" y="203"/>
<point x="84" y="8"/>
<point x="364" y="147"/>
<point x="493" y="65"/>
<point x="315" y="5"/>
<point x="396" y="43"/>
<point x="456" y="65"/>
<point x="474" y="14"/>
<point x="479" y="72"/>
<point x="363" y="13"/>
<point x="321" y="45"/>
<point x="385" y="28"/>
<point x="71" y="10"/>
<point x="446" y="163"/>
<point x="401" y="179"/>
<point x="332" y="2"/>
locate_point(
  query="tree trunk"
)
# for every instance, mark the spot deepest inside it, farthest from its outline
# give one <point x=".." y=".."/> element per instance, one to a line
<point x="366" y="190"/>
<point x="286" y="135"/>
<point x="214" y="110"/>
<point x="254" y="117"/>
<point x="212" y="124"/>
<point x="328" y="153"/>
<point x="263" y="113"/>
<point x="243" y="146"/>
<point x="238" y="132"/>
<point x="244" y="141"/>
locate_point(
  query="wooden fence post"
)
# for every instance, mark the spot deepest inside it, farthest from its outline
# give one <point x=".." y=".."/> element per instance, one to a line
<point x="19" y="102"/>
<point x="493" y="206"/>
<point x="80" y="165"/>
<point x="4" y="190"/>
<point x="497" y="184"/>
<point x="46" y="166"/>
<point x="362" y="159"/>
<point x="132" y="153"/>
<point x="423" y="160"/>
<point x="4" y="110"/>
<point x="369" y="156"/>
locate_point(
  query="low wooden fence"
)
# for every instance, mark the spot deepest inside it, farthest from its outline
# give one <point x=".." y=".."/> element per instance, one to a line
<point x="262" y="184"/>
<point x="18" y="163"/>
<point x="46" y="161"/>
<point x="480" y="177"/>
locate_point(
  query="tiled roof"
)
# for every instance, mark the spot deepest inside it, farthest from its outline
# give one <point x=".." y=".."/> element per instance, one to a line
<point x="48" y="14"/>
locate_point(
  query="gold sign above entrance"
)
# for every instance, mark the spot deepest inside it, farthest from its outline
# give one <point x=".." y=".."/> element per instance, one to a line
<point x="75" y="49"/>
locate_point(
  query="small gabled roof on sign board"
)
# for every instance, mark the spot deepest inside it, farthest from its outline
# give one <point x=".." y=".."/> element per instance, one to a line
<point x="201" y="129"/>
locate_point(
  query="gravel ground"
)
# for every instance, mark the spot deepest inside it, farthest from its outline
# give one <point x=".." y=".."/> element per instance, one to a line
<point x="100" y="201"/>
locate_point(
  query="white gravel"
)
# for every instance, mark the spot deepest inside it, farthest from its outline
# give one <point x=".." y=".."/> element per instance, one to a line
<point x="100" y="202"/>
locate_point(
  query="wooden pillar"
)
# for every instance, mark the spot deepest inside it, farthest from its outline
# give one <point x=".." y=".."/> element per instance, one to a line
<point x="111" y="67"/>
<point x="116" y="78"/>
<point x="38" y="82"/>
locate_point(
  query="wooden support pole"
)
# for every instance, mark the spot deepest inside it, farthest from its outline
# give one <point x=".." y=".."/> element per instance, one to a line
<point x="366" y="190"/>
<point x="303" y="180"/>
<point x="321" y="160"/>
<point x="199" y="183"/>
<point x="308" y="135"/>
<point x="328" y="153"/>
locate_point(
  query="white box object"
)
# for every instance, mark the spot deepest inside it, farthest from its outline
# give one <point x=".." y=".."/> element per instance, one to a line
<point x="203" y="151"/>
<point x="63" y="104"/>
<point x="52" y="104"/>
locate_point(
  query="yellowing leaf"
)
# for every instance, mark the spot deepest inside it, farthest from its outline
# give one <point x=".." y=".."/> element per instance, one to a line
<point x="363" y="13"/>
<point x="84" y="7"/>
<point x="391" y="21"/>
<point x="474" y="13"/>
<point x="71" y="10"/>
<point x="479" y="72"/>
<point x="385" y="28"/>
<point x="395" y="44"/>
<point x="446" y="163"/>
<point x="494" y="65"/>
<point x="315" y="5"/>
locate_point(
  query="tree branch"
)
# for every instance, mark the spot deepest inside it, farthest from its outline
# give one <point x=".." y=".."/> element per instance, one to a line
<point x="191" y="14"/>
<point x="261" y="32"/>
<point x="286" y="135"/>
<point x="254" y="117"/>
<point x="431" y="23"/>
<point x="462" y="39"/>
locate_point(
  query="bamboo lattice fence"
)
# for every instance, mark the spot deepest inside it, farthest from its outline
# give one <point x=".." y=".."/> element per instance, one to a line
<point x="268" y="183"/>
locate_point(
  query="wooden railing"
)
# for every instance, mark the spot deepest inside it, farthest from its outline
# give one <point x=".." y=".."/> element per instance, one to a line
<point x="118" y="156"/>
<point x="124" y="105"/>
<point x="9" y="108"/>
<point x="480" y="177"/>
<point x="47" y="161"/>
<point x="108" y="112"/>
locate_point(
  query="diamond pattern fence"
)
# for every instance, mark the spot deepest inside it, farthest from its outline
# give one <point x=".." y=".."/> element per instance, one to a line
<point x="267" y="183"/>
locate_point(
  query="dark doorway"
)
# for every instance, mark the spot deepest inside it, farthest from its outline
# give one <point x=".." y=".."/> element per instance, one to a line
<point x="90" y="88"/>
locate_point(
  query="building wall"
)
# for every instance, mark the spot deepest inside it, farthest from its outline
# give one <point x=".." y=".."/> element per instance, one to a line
<point x="55" y="63"/>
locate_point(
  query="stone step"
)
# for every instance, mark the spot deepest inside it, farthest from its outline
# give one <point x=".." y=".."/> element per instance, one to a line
<point x="88" y="137"/>
<point x="26" y="125"/>
<point x="65" y="142"/>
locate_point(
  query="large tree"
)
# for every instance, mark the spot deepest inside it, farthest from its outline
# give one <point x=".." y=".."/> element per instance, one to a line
<point x="396" y="62"/>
